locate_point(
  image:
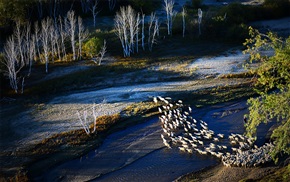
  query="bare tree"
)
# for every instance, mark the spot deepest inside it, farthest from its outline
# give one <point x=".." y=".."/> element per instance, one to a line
<point x="85" y="5"/>
<point x="71" y="29"/>
<point x="121" y="30"/>
<point x="85" y="123"/>
<point x="12" y="63"/>
<point x="137" y="33"/>
<point x="155" y="31"/>
<point x="183" y="21"/>
<point x="82" y="36"/>
<point x="45" y="40"/>
<point x="31" y="51"/>
<point x="93" y="8"/>
<point x="199" y="20"/>
<point x="37" y="39"/>
<point x="112" y="4"/>
<point x="126" y="25"/>
<point x="133" y="22"/>
<point x="26" y="43"/>
<point x="102" y="52"/>
<point x="143" y="32"/>
<point x="53" y="41"/>
<point x="63" y="36"/>
<point x="19" y="38"/>
<point x="152" y="19"/>
<point x="170" y="13"/>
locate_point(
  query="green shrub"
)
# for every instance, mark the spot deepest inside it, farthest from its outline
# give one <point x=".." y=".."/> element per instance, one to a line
<point x="92" y="47"/>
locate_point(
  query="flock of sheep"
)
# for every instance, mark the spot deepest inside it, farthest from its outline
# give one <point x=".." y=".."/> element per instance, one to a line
<point x="193" y="136"/>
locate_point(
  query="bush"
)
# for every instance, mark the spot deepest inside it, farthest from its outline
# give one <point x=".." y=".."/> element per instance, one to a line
<point x="92" y="47"/>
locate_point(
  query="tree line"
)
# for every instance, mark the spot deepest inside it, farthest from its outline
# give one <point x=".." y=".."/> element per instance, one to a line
<point x="43" y="42"/>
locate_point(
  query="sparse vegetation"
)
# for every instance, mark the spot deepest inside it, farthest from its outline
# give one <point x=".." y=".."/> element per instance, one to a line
<point x="273" y="85"/>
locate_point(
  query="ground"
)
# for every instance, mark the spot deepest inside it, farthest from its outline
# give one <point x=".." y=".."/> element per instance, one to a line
<point x="26" y="126"/>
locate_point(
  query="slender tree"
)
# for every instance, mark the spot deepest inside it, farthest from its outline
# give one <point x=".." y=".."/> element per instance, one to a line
<point x="143" y="32"/>
<point x="126" y="25"/>
<point x="183" y="21"/>
<point x="85" y="123"/>
<point x="170" y="13"/>
<point x="63" y="36"/>
<point x="151" y="21"/>
<point x="19" y="37"/>
<point x="85" y="5"/>
<point x="93" y="9"/>
<point x="71" y="30"/>
<point x="199" y="20"/>
<point x="101" y="53"/>
<point x="37" y="39"/>
<point x="12" y="62"/>
<point x="137" y="33"/>
<point x="45" y="40"/>
<point x="154" y="33"/>
<point x="82" y="36"/>
<point x="112" y="4"/>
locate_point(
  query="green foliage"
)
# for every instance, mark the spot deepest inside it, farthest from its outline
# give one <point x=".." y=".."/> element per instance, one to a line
<point x="92" y="47"/>
<point x="274" y="87"/>
<point x="12" y="10"/>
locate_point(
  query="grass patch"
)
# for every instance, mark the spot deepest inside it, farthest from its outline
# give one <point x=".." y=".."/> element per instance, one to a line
<point x="220" y="94"/>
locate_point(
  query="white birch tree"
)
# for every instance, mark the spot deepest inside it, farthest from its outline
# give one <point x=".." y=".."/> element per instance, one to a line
<point x="170" y="13"/>
<point x="37" y="39"/>
<point x="82" y="36"/>
<point x="53" y="41"/>
<point x="84" y="120"/>
<point x="71" y="30"/>
<point x="63" y="36"/>
<point x="85" y="5"/>
<point x="151" y="21"/>
<point x="133" y="23"/>
<point x="126" y="26"/>
<point x="45" y="40"/>
<point x="26" y="45"/>
<point x="155" y="32"/>
<point x="199" y="20"/>
<point x="112" y="4"/>
<point x="19" y="36"/>
<point x="137" y="32"/>
<point x="101" y="54"/>
<point x="183" y="21"/>
<point x="143" y="31"/>
<point x="12" y="62"/>
<point x="93" y="9"/>
<point x="121" y="29"/>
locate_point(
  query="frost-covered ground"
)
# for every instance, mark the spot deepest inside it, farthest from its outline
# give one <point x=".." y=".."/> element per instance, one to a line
<point x="225" y="64"/>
